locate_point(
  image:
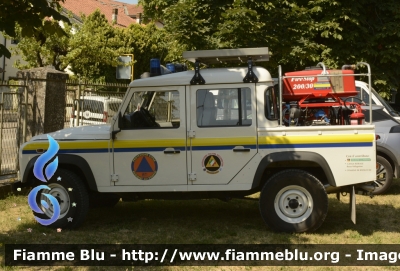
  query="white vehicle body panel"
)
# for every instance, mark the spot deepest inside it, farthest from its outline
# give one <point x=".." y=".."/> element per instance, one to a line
<point x="348" y="150"/>
<point x="230" y="148"/>
<point x="167" y="168"/>
<point x="89" y="142"/>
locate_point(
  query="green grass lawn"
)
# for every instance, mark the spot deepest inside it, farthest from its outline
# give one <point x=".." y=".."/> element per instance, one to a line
<point x="203" y="222"/>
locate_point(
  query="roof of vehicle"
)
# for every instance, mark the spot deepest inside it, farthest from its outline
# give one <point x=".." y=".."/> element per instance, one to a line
<point x="211" y="76"/>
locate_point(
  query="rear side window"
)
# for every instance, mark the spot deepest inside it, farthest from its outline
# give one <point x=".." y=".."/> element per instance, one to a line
<point x="271" y="102"/>
<point x="223" y="107"/>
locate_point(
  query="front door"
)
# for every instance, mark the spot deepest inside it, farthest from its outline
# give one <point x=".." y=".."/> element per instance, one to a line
<point x="150" y="150"/>
<point x="223" y="128"/>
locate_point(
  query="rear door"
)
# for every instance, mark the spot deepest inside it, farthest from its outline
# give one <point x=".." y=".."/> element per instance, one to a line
<point x="150" y="150"/>
<point x="223" y="132"/>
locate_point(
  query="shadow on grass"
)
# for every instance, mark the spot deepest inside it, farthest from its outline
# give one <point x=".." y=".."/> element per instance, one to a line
<point x="161" y="222"/>
<point x="210" y="222"/>
<point x="370" y="219"/>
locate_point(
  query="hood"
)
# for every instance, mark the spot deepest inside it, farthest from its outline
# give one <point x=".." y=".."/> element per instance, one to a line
<point x="94" y="132"/>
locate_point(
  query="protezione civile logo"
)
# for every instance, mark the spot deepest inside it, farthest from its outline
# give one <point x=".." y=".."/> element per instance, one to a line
<point x="43" y="171"/>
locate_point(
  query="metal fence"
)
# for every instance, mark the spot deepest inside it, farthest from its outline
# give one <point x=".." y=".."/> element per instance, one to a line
<point x="92" y="103"/>
<point x="10" y="125"/>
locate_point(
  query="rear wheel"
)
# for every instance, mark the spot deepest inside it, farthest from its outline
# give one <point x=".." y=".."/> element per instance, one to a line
<point x="293" y="201"/>
<point x="384" y="176"/>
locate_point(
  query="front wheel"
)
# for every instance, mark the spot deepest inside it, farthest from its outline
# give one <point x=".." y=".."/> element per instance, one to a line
<point x="293" y="201"/>
<point x="71" y="200"/>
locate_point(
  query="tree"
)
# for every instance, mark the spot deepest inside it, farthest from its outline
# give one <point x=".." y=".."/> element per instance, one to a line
<point x="284" y="26"/>
<point x="369" y="33"/>
<point x="194" y="23"/>
<point x="38" y="54"/>
<point x="299" y="33"/>
<point x="29" y="15"/>
<point x="145" y="42"/>
<point x="94" y="48"/>
<point x="91" y="50"/>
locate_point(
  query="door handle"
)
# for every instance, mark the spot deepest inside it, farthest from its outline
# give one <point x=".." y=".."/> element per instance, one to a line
<point x="240" y="149"/>
<point x="171" y="151"/>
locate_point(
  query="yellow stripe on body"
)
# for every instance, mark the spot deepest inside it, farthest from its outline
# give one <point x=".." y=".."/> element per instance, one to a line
<point x="224" y="141"/>
<point x="65" y="145"/>
<point x="349" y="138"/>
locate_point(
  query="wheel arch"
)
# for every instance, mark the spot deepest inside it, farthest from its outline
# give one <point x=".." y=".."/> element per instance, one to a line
<point x="388" y="155"/>
<point x="75" y="163"/>
<point x="293" y="159"/>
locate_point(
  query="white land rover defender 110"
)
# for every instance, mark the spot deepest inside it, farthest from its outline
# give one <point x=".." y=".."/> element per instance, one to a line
<point x="218" y="133"/>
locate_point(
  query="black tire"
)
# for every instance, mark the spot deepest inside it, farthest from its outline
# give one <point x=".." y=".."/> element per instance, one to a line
<point x="103" y="200"/>
<point x="72" y="196"/>
<point x="293" y="201"/>
<point x="384" y="176"/>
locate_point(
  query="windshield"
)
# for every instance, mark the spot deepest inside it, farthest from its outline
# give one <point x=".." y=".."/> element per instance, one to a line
<point x="365" y="98"/>
<point x="390" y="109"/>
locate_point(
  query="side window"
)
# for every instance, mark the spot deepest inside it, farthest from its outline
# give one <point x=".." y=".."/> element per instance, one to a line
<point x="152" y="109"/>
<point x="224" y="107"/>
<point x="271" y="101"/>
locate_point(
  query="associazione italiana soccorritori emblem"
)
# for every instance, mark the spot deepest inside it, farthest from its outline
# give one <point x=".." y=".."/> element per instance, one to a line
<point x="43" y="169"/>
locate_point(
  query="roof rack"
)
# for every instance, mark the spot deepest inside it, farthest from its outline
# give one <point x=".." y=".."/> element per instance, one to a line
<point x="248" y="55"/>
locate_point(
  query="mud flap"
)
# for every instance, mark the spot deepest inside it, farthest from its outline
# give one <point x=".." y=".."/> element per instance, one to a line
<point x="353" y="205"/>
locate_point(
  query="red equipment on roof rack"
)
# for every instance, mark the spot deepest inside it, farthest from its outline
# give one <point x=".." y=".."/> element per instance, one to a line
<point x="318" y="84"/>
